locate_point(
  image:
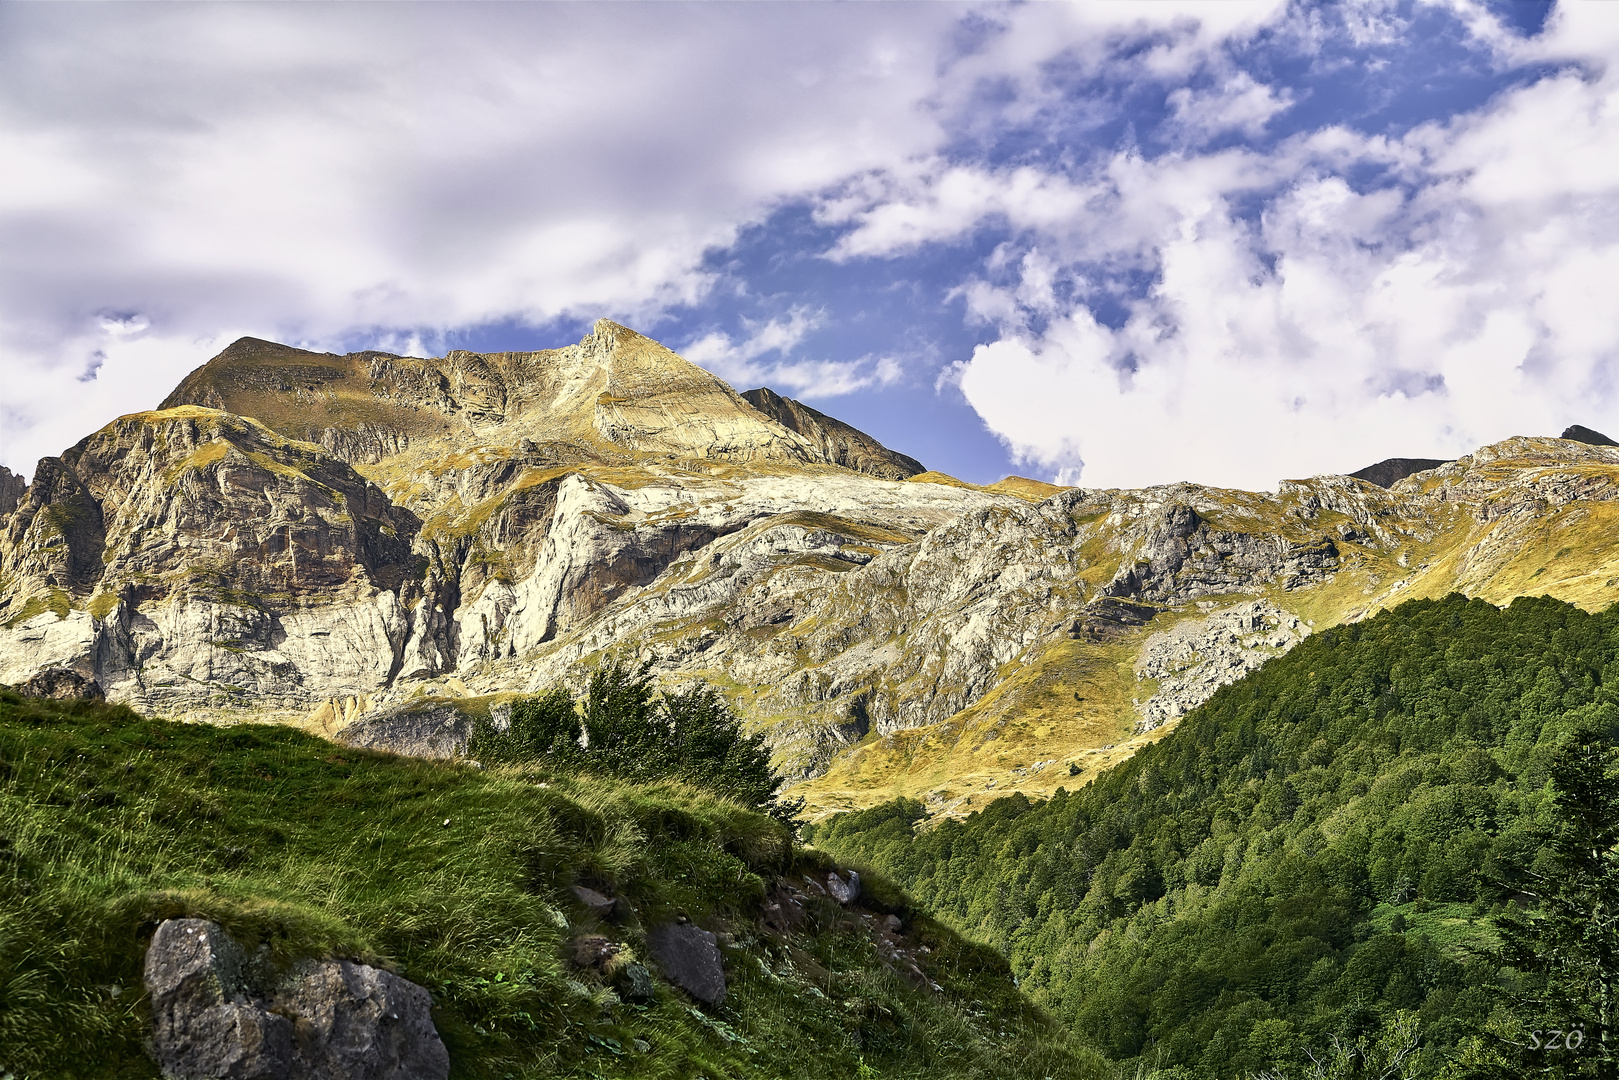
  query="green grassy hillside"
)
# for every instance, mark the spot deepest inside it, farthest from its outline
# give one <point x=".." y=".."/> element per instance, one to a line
<point x="457" y="878"/>
<point x="1311" y="854"/>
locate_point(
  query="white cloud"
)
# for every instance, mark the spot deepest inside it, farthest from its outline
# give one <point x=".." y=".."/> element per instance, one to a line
<point x="740" y="363"/>
<point x="1344" y="326"/>
<point x="1238" y="104"/>
<point x="308" y="171"/>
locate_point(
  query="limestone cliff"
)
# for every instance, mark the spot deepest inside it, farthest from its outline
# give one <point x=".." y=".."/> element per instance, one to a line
<point x="372" y="540"/>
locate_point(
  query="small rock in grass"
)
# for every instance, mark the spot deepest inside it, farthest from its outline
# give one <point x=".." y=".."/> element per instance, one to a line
<point x="690" y="958"/>
<point x="634" y="985"/>
<point x="592" y="899"/>
<point x="844" y="892"/>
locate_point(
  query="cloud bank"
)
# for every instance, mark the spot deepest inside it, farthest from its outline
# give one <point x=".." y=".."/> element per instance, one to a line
<point x="1143" y="241"/>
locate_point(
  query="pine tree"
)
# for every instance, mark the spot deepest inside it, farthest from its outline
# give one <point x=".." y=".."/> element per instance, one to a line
<point x="1565" y="946"/>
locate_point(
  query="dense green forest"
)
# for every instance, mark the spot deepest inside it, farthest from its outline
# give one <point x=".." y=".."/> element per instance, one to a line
<point x="1317" y="859"/>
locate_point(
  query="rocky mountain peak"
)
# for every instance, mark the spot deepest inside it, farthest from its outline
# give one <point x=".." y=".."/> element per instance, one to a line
<point x="616" y="390"/>
<point x="1580" y="433"/>
<point x="1390" y="471"/>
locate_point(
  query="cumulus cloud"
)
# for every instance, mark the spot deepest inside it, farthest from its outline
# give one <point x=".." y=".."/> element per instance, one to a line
<point x="309" y="171"/>
<point x="1455" y="305"/>
<point x="1237" y="104"/>
<point x="741" y="363"/>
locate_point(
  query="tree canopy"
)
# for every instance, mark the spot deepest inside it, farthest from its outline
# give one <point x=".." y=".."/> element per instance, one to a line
<point x="625" y="727"/>
<point x="1316" y="852"/>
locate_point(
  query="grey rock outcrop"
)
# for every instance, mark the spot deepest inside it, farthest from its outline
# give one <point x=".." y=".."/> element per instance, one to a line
<point x="12" y="490"/>
<point x="689" y="957"/>
<point x="216" y="1013"/>
<point x="429" y="729"/>
<point x="1193" y="659"/>
<point x="62" y="684"/>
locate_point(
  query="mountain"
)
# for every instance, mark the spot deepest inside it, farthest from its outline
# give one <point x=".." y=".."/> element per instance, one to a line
<point x="1580" y="433"/>
<point x="1390" y="471"/>
<point x="393" y="546"/>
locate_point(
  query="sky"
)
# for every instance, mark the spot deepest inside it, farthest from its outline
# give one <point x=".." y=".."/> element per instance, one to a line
<point x="1106" y="243"/>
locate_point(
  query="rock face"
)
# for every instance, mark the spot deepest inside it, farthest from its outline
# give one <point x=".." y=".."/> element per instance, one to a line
<point x="1583" y="434"/>
<point x="1193" y="659"/>
<point x="217" y="1013"/>
<point x="383" y="547"/>
<point x="12" y="488"/>
<point x="689" y="957"/>
<point x="838" y="442"/>
<point x="1390" y="471"/>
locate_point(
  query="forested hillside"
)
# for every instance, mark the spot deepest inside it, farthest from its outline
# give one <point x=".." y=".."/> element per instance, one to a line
<point x="1313" y="853"/>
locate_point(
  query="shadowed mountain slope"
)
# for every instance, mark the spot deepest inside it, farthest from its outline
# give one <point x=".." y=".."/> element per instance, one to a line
<point x="1390" y="471"/>
<point x="840" y="443"/>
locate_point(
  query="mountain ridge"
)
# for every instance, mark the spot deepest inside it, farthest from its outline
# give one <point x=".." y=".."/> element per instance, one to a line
<point x="530" y="514"/>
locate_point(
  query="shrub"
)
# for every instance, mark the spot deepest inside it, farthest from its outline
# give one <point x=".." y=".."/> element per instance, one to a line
<point x="623" y="727"/>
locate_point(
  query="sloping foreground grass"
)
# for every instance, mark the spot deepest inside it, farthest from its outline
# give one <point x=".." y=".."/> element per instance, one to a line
<point x="458" y="879"/>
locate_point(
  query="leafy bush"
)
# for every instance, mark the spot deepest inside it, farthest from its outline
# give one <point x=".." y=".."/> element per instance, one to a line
<point x="624" y="728"/>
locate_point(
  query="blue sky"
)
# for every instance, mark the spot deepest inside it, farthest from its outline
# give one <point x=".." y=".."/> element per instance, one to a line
<point x="1110" y="243"/>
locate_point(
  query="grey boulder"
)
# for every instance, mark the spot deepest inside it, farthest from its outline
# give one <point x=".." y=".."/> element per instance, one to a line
<point x="689" y="957"/>
<point x="216" y="1016"/>
<point x="844" y="892"/>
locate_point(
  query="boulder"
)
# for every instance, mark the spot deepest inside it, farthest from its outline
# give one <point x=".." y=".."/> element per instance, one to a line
<point x="215" y="1014"/>
<point x="356" y="1022"/>
<point x="689" y="957"/>
<point x="62" y="684"/>
<point x="844" y="892"/>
